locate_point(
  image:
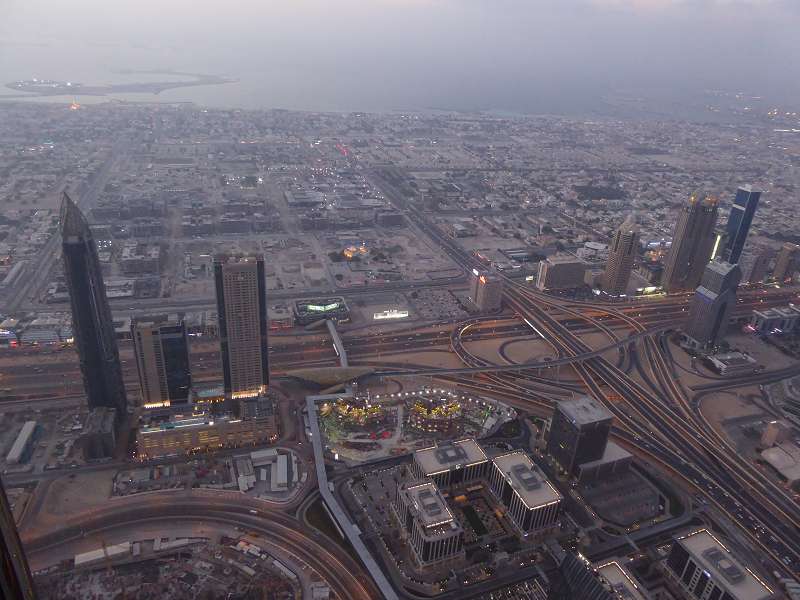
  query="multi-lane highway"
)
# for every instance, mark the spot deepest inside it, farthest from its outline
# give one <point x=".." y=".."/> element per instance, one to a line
<point x="661" y="423"/>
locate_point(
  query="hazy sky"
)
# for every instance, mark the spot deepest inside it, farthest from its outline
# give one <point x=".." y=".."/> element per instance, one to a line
<point x="414" y="53"/>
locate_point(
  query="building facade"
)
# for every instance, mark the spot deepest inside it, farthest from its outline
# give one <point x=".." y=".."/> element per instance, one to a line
<point x="692" y="244"/>
<point x="200" y="433"/>
<point x="15" y="576"/>
<point x="531" y="501"/>
<point x="578" y="433"/>
<point x="739" y="222"/>
<point x="787" y="262"/>
<point x="427" y="523"/>
<point x="92" y="325"/>
<point x="702" y="567"/>
<point x="486" y="290"/>
<point x="462" y="461"/>
<point x="561" y="272"/>
<point x="711" y="306"/>
<point x="162" y="361"/>
<point x="622" y="254"/>
<point x="242" y="320"/>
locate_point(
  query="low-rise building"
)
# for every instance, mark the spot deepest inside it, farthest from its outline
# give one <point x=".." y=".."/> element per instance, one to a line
<point x="782" y="319"/>
<point x="307" y="312"/>
<point x="198" y="432"/>
<point x="785" y="459"/>
<point x="732" y="363"/>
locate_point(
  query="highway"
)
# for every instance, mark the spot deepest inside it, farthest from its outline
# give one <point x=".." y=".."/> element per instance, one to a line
<point x="345" y="577"/>
<point x="658" y="423"/>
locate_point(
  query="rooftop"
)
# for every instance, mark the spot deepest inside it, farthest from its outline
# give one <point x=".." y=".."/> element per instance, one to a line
<point x="712" y="556"/>
<point x="428" y="506"/>
<point x="584" y="410"/>
<point x="785" y="459"/>
<point x="437" y="459"/>
<point x="621" y="581"/>
<point x="526" y="479"/>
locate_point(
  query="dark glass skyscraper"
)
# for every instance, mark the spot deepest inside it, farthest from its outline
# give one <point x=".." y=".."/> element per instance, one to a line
<point x="739" y="221"/>
<point x="162" y="360"/>
<point x="579" y="432"/>
<point x="92" y="325"/>
<point x="15" y="576"/>
<point x="692" y="244"/>
<point x="710" y="309"/>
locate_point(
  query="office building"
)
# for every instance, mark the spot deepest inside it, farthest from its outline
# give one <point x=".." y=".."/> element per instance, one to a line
<point x="702" y="567"/>
<point x="162" y="360"/>
<point x="756" y="266"/>
<point x="92" y="326"/>
<point x="531" y="501"/>
<point x="621" y="255"/>
<point x="454" y="463"/>
<point x="561" y="272"/>
<point x="242" y="321"/>
<point x="711" y="306"/>
<point x="578" y="433"/>
<point x="739" y="221"/>
<point x="692" y="244"/>
<point x="486" y="290"/>
<point x="16" y="582"/>
<point x="787" y="262"/>
<point x="427" y="523"/>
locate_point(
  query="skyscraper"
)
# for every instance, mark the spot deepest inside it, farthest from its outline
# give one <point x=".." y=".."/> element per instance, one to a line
<point x="711" y="306"/>
<point x="242" y="318"/>
<point x="92" y="325"/>
<point x="486" y="290"/>
<point x="739" y="221"/>
<point x="578" y="432"/>
<point x="16" y="582"/>
<point x="162" y="361"/>
<point x="621" y="254"/>
<point x="787" y="261"/>
<point x="692" y="244"/>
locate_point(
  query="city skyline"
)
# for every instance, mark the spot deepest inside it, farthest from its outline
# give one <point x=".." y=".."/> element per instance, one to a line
<point x="403" y="299"/>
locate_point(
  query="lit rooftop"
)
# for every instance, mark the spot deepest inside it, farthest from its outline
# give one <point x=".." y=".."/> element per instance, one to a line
<point x="429" y="507"/>
<point x="449" y="456"/>
<point x="526" y="479"/>
<point x="623" y="583"/>
<point x="711" y="555"/>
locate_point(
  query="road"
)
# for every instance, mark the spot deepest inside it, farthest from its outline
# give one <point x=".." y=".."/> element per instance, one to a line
<point x="661" y="423"/>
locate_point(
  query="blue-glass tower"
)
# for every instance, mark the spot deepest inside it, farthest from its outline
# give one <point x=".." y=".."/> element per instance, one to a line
<point x="739" y="221"/>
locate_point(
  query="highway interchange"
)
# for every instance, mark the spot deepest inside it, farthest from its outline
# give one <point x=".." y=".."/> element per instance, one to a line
<point x="632" y="375"/>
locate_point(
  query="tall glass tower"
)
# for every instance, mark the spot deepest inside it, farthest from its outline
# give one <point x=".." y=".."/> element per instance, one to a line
<point x="692" y="244"/>
<point x="92" y="325"/>
<point x="739" y="221"/>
